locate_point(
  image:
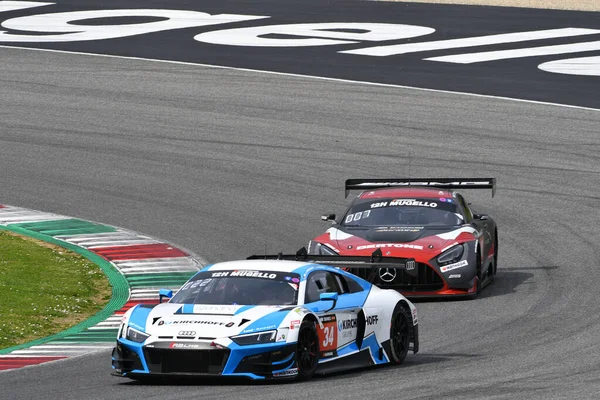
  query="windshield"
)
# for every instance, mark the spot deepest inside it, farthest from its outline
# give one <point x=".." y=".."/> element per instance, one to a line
<point x="403" y="212"/>
<point x="240" y="287"/>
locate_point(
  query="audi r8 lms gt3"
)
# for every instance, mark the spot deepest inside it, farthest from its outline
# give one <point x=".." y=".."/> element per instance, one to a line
<point x="454" y="248"/>
<point x="265" y="319"/>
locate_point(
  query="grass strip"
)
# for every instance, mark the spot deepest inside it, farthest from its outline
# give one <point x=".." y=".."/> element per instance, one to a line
<point x="49" y="292"/>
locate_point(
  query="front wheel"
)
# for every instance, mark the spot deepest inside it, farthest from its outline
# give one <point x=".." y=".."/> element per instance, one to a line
<point x="307" y="351"/>
<point x="399" y="335"/>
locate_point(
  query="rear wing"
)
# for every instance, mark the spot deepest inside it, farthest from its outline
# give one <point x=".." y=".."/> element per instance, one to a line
<point x="375" y="261"/>
<point x="446" y="183"/>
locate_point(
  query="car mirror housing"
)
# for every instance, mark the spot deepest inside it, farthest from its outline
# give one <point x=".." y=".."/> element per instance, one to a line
<point x="328" y="217"/>
<point x="164" y="293"/>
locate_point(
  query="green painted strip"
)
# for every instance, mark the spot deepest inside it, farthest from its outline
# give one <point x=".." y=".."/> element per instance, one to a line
<point x="64" y="227"/>
<point x="120" y="287"/>
<point x="172" y="275"/>
<point x="108" y="335"/>
<point x="141" y="283"/>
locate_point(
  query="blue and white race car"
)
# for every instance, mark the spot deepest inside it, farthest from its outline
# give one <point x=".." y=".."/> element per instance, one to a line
<point x="267" y="318"/>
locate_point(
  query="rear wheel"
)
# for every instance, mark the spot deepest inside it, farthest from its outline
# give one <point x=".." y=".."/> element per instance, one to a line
<point x="307" y="352"/>
<point x="399" y="334"/>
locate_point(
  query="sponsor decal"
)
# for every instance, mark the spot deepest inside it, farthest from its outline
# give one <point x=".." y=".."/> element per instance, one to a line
<point x="412" y="202"/>
<point x="262" y="328"/>
<point x="326" y="354"/>
<point x="350" y="323"/>
<point x="454" y="276"/>
<point x="379" y="204"/>
<point x="390" y="245"/>
<point x="400" y="229"/>
<point x="176" y="345"/>
<point x="450" y="267"/>
<point x="414" y="316"/>
<point x="281" y="337"/>
<point x="328" y="318"/>
<point x="287" y="372"/>
<point x="190" y="322"/>
<point x="250" y="274"/>
<point x="229" y="324"/>
<point x="294" y="324"/>
<point x="218" y="309"/>
<point x="372" y="319"/>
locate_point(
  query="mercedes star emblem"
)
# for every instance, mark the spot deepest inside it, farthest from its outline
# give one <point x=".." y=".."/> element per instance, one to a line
<point x="387" y="274"/>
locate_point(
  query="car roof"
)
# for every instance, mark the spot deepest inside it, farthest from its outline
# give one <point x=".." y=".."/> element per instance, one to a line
<point x="406" y="192"/>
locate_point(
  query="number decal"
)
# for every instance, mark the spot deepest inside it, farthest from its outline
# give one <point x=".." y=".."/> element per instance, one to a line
<point x="328" y="335"/>
<point x="328" y="332"/>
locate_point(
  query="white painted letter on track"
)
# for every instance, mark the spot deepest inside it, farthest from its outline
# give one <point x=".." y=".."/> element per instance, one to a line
<point x="317" y="34"/>
<point x="65" y="27"/>
<point x="20" y="5"/>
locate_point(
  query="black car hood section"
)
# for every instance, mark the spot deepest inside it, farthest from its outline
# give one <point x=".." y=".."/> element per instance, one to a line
<point x="394" y="234"/>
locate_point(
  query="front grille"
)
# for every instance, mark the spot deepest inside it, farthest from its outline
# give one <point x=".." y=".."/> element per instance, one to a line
<point x="427" y="279"/>
<point x="170" y="361"/>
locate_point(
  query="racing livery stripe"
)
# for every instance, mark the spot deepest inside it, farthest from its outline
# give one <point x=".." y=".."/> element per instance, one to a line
<point x="144" y="266"/>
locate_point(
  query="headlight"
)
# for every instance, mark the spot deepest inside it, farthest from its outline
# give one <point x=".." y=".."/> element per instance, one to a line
<point x="451" y="255"/>
<point x="320" y="249"/>
<point x="135" y="335"/>
<point x="255" y="338"/>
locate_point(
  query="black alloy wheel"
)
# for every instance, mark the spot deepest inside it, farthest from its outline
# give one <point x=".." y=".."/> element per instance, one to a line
<point x="307" y="352"/>
<point x="399" y="334"/>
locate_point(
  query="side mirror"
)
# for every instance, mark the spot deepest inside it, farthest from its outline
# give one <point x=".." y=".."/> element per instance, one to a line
<point x="328" y="217"/>
<point x="164" y="293"/>
<point x="329" y="296"/>
<point x="481" y="217"/>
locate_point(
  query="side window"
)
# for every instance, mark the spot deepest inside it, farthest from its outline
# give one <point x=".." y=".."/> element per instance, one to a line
<point x="341" y="284"/>
<point x="465" y="207"/>
<point x="352" y="285"/>
<point x="319" y="282"/>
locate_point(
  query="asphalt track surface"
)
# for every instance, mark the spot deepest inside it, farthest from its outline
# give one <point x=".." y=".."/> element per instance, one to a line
<point x="227" y="162"/>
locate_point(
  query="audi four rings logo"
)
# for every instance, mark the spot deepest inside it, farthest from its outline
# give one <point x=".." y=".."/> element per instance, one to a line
<point x="186" y="333"/>
<point x="387" y="274"/>
<point x="410" y="265"/>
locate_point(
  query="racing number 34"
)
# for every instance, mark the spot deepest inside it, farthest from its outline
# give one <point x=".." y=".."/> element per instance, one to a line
<point x="328" y="335"/>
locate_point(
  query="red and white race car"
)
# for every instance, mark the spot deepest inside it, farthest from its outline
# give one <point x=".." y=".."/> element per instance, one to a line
<point x="448" y="248"/>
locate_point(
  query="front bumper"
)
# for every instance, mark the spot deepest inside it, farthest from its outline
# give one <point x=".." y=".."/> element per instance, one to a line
<point x="276" y="360"/>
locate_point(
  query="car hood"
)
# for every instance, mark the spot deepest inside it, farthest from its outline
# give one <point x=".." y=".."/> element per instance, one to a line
<point x="207" y="321"/>
<point x="418" y="242"/>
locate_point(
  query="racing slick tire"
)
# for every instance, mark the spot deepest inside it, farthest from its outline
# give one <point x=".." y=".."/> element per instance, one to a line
<point x="478" y="280"/>
<point x="399" y="334"/>
<point x="307" y="351"/>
